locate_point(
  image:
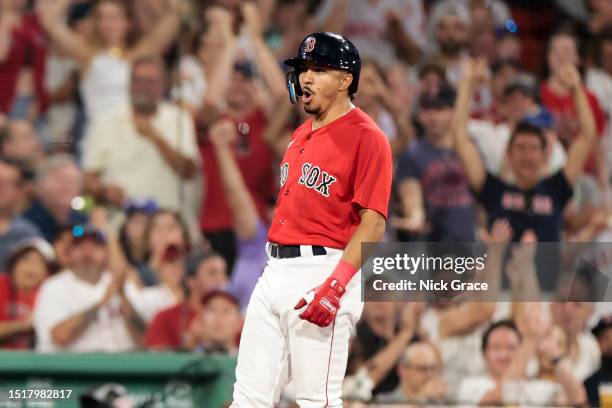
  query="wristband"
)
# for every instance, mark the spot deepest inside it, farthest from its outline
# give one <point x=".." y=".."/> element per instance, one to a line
<point x="343" y="273"/>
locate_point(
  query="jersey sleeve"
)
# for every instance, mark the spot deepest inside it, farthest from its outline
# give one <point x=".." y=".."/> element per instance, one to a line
<point x="373" y="172"/>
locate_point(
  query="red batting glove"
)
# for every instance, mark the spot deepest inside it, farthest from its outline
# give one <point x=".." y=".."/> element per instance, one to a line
<point x="323" y="303"/>
<point x="324" y="300"/>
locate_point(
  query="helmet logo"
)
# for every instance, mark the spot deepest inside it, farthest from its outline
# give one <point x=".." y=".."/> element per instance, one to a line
<point x="310" y="44"/>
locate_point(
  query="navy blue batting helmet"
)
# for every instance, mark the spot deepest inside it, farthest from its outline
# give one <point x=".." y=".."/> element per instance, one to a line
<point x="328" y="49"/>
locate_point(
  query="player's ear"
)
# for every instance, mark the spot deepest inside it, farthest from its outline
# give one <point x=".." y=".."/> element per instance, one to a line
<point x="345" y="81"/>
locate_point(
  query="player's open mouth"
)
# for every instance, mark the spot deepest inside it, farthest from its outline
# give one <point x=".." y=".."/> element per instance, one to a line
<point x="306" y="96"/>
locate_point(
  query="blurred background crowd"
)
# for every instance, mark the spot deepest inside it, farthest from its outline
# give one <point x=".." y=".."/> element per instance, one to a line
<point x="139" y="148"/>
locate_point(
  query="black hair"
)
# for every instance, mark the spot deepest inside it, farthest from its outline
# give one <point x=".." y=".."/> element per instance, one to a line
<point x="565" y="30"/>
<point x="508" y="324"/>
<point x="528" y="128"/>
<point x="177" y="217"/>
<point x="501" y="63"/>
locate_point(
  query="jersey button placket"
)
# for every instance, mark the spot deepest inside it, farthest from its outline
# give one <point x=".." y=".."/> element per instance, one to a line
<point x="307" y="138"/>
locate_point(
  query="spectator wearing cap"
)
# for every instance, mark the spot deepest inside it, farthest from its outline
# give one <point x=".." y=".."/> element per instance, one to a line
<point x="132" y="232"/>
<point x="248" y="93"/>
<point x="532" y="202"/>
<point x="562" y="56"/>
<point x="602" y="331"/>
<point x="157" y="135"/>
<point x="84" y="308"/>
<point x="13" y="228"/>
<point x="431" y="183"/>
<point x="448" y="31"/>
<point x="520" y="104"/>
<point x="389" y="31"/>
<point x="172" y="328"/>
<point x="58" y="182"/>
<point x="220" y="323"/>
<point x="31" y="262"/>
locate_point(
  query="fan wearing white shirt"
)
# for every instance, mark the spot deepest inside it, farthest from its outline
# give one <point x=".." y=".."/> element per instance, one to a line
<point x="83" y="309"/>
<point x="146" y="149"/>
<point x="507" y="352"/>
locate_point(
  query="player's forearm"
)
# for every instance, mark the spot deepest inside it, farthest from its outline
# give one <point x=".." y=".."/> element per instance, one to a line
<point x="371" y="229"/>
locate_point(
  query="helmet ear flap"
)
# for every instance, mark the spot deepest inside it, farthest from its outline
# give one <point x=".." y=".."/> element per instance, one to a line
<point x="293" y="86"/>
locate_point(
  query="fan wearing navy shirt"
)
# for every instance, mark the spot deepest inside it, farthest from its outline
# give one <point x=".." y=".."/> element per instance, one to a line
<point x="533" y="202"/>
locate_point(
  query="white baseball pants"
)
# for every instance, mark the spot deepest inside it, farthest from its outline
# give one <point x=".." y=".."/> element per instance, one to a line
<point x="276" y="346"/>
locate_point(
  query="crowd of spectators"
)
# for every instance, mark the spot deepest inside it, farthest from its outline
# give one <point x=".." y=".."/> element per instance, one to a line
<point x="139" y="148"/>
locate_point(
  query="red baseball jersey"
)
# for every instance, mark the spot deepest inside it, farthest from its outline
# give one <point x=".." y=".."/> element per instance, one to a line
<point x="327" y="176"/>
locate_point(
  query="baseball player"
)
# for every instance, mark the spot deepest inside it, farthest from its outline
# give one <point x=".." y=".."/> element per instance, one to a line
<point x="334" y="192"/>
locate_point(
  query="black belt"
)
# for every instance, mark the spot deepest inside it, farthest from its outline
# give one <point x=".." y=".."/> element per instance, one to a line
<point x="293" y="251"/>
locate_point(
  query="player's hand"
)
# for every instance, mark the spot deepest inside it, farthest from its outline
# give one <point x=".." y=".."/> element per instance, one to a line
<point x="322" y="303"/>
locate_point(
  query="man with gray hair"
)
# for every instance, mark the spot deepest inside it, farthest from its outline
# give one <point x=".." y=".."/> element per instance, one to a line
<point x="419" y="371"/>
<point x="144" y="150"/>
<point x="58" y="182"/>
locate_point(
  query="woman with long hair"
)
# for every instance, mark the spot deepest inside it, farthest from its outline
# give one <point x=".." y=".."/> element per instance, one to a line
<point x="104" y="55"/>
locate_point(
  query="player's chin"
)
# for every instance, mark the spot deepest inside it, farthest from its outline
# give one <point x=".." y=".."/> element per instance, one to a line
<point x="312" y="110"/>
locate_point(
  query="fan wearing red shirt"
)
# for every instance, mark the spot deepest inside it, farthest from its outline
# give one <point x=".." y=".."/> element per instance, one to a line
<point x="245" y="91"/>
<point x="172" y="328"/>
<point x="335" y="183"/>
<point x="30" y="263"/>
<point x="23" y="48"/>
<point x="563" y="51"/>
